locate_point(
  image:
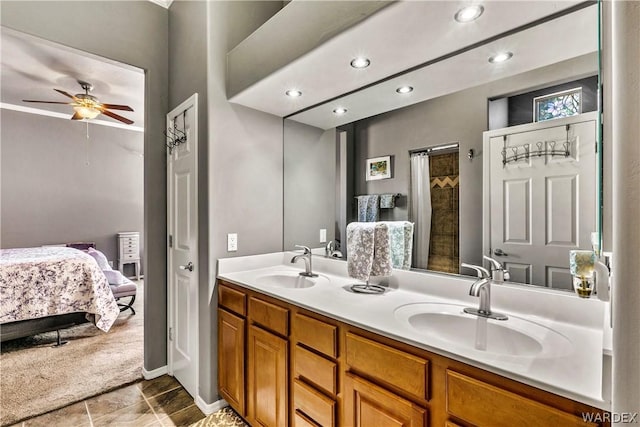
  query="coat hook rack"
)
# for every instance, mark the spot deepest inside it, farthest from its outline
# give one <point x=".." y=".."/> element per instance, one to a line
<point x="176" y="136"/>
<point x="543" y="148"/>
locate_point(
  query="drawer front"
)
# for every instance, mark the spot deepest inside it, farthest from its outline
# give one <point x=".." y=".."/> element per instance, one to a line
<point x="301" y="420"/>
<point x="130" y="250"/>
<point x="127" y="257"/>
<point x="314" y="404"/>
<point x="129" y="240"/>
<point x="403" y="370"/>
<point x="269" y="315"/>
<point x="483" y="404"/>
<point x="232" y="299"/>
<point x="316" y="369"/>
<point x="316" y="334"/>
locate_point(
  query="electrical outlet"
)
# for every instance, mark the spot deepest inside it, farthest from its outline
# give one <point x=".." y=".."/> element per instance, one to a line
<point x="111" y="264"/>
<point x="323" y="235"/>
<point x="232" y="242"/>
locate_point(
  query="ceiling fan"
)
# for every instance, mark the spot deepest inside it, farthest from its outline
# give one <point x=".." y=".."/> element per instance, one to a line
<point x="87" y="106"/>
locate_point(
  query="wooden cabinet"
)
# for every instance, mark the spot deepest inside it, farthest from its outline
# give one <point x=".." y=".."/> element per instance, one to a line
<point x="366" y="405"/>
<point x="267" y="379"/>
<point x="231" y="338"/>
<point x="280" y="365"/>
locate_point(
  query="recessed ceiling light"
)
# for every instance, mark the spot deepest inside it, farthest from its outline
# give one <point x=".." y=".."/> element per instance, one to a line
<point x="293" y="93"/>
<point x="339" y="111"/>
<point x="404" y="89"/>
<point x="360" y="62"/>
<point x="469" y="13"/>
<point x="500" y="57"/>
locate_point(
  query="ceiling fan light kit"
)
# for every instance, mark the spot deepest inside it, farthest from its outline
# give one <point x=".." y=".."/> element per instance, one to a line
<point x="87" y="107"/>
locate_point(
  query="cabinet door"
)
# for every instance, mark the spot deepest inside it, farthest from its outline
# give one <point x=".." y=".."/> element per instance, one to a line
<point x="267" y="379"/>
<point x="366" y="405"/>
<point x="231" y="336"/>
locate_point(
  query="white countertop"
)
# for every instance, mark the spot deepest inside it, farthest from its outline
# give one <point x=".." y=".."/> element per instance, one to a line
<point x="574" y="371"/>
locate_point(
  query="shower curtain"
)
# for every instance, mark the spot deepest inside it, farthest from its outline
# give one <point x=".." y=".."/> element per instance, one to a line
<point x="420" y="208"/>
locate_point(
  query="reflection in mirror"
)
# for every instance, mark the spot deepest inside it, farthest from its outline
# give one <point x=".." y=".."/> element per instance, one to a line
<point x="483" y="157"/>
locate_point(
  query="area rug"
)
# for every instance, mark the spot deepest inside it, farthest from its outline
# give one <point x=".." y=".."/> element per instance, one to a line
<point x="36" y="378"/>
<point x="225" y="417"/>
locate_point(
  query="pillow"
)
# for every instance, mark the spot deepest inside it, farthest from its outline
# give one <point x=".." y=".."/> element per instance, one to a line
<point x="102" y="261"/>
<point x="114" y="277"/>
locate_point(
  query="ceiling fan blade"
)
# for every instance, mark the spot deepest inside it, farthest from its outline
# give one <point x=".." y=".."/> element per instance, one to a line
<point x="66" y="94"/>
<point x="117" y="107"/>
<point x="76" y="116"/>
<point x="115" y="116"/>
<point x="46" y="102"/>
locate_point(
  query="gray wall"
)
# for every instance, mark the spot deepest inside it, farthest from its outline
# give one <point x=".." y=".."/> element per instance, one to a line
<point x="460" y="117"/>
<point x="58" y="186"/>
<point x="309" y="184"/>
<point x="136" y="33"/>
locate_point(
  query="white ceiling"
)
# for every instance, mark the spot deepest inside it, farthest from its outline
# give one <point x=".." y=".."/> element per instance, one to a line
<point x="31" y="68"/>
<point x="398" y="37"/>
<point x="573" y="36"/>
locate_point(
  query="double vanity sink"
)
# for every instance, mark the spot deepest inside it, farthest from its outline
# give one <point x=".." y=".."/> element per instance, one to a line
<point x="552" y="341"/>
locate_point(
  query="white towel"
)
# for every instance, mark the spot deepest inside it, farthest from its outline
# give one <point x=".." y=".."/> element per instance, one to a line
<point x="368" y="248"/>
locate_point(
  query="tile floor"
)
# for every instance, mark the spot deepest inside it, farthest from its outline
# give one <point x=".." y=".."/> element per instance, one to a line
<point x="155" y="403"/>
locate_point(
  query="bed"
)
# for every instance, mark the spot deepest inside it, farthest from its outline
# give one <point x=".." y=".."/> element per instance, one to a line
<point x="48" y="288"/>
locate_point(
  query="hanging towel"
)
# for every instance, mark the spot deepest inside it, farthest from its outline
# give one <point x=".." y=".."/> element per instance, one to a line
<point x="408" y="245"/>
<point x="360" y="241"/>
<point x="396" y="242"/>
<point x="387" y="201"/>
<point x="369" y="252"/>
<point x="368" y="208"/>
<point x="381" y="251"/>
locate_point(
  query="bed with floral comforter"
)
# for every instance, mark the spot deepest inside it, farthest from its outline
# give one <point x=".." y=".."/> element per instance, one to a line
<point x="50" y="281"/>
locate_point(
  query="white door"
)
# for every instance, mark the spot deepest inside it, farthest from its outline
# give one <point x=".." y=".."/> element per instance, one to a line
<point x="541" y="207"/>
<point x="182" y="217"/>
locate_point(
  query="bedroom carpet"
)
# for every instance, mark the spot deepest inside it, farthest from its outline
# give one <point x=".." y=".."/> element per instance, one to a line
<point x="36" y="378"/>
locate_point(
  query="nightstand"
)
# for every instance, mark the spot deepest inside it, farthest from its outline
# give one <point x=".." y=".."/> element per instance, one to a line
<point x="129" y="251"/>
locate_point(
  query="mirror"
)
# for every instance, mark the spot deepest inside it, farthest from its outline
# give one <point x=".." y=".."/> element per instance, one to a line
<point x="507" y="149"/>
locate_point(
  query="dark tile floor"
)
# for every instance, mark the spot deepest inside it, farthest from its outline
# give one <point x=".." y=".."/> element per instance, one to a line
<point x="158" y="402"/>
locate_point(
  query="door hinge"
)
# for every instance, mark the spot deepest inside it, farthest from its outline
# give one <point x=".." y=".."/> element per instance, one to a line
<point x="170" y="241"/>
<point x="170" y="334"/>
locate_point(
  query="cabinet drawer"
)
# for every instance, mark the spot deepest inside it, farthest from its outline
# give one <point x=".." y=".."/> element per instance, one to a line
<point x="316" y="334"/>
<point x="397" y="368"/>
<point x="126" y="257"/>
<point x="232" y="299"/>
<point x="314" y="404"/>
<point x="316" y="369"/>
<point x="483" y="404"/>
<point x="301" y="420"/>
<point x="269" y="315"/>
<point x="130" y="250"/>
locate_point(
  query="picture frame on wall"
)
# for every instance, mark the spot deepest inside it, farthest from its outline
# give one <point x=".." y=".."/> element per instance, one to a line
<point x="378" y="168"/>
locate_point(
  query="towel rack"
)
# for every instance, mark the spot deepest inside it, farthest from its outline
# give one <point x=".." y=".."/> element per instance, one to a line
<point x="546" y="148"/>
<point x="362" y="195"/>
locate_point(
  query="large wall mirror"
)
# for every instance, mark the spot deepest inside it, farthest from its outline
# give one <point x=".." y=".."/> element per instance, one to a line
<point x="488" y="150"/>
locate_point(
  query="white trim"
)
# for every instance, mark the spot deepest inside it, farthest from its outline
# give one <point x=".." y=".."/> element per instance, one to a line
<point x="40" y="112"/>
<point x="164" y="3"/>
<point x="210" y="408"/>
<point x="158" y="372"/>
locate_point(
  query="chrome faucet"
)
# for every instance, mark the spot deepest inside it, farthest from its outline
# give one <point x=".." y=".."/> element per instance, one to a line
<point x="498" y="272"/>
<point x="306" y="256"/>
<point x="482" y="288"/>
<point x="332" y="250"/>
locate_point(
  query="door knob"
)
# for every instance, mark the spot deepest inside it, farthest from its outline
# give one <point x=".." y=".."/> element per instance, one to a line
<point x="189" y="266"/>
<point x="498" y="252"/>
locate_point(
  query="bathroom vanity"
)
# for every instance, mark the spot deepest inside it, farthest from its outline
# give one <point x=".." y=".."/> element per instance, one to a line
<point x="308" y="352"/>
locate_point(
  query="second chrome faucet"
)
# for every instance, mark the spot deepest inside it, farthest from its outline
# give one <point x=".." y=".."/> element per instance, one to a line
<point x="482" y="288"/>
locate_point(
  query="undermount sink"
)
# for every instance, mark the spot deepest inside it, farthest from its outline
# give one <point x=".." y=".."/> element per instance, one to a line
<point x="513" y="337"/>
<point x="289" y="280"/>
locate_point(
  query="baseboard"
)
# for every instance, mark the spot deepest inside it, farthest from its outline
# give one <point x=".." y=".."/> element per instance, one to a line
<point x="149" y="375"/>
<point x="210" y="408"/>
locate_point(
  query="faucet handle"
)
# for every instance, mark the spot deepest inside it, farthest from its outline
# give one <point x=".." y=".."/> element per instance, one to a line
<point x="482" y="272"/>
<point x="494" y="263"/>
<point x="307" y="250"/>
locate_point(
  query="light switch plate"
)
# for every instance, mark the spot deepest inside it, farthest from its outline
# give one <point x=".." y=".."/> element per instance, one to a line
<point x="323" y="235"/>
<point x="232" y="242"/>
